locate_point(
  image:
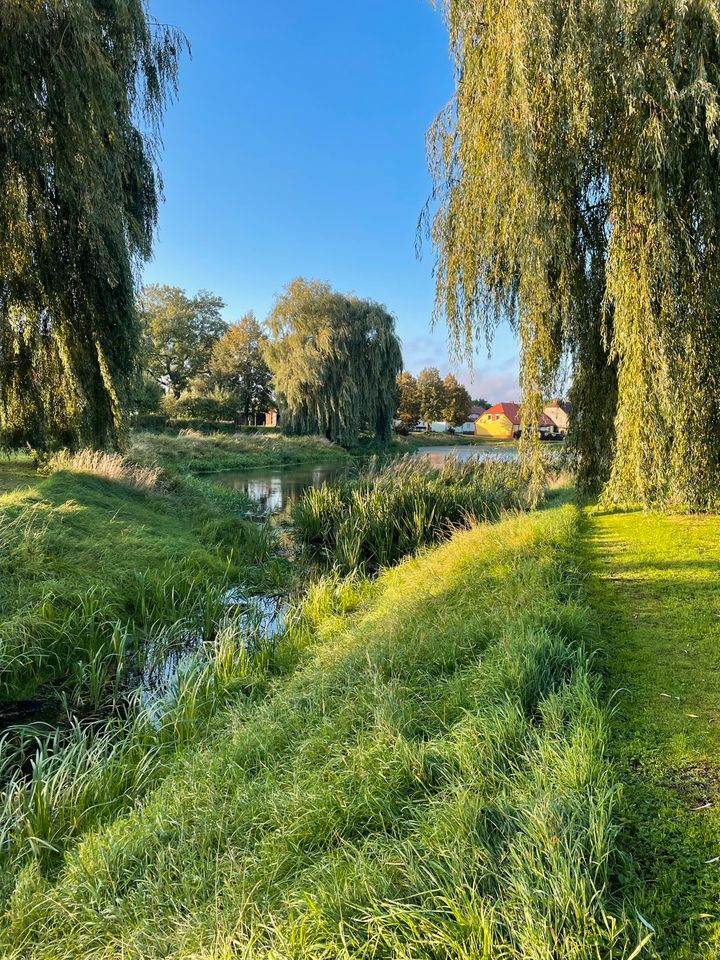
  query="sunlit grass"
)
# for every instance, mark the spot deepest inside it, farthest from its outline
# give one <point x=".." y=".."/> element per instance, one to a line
<point x="92" y="568"/>
<point x="655" y="590"/>
<point x="431" y="780"/>
<point x="197" y="453"/>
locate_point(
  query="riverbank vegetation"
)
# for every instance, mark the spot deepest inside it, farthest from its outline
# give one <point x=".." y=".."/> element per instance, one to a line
<point x="373" y="519"/>
<point x="193" y="452"/>
<point x="351" y="779"/>
<point x="99" y="560"/>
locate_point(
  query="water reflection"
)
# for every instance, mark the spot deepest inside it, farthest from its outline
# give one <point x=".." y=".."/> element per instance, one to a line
<point x="497" y="451"/>
<point x="275" y="488"/>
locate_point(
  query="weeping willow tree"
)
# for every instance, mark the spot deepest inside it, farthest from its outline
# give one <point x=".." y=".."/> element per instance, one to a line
<point x="82" y="87"/>
<point x="577" y="174"/>
<point x="334" y="360"/>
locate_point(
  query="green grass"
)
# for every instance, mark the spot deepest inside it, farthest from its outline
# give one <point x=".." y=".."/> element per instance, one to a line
<point x="192" y="452"/>
<point x="388" y="511"/>
<point x="430" y="782"/>
<point x="90" y="566"/>
<point x="655" y="588"/>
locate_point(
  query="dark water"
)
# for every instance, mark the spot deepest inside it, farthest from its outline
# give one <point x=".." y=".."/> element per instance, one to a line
<point x="275" y="488"/>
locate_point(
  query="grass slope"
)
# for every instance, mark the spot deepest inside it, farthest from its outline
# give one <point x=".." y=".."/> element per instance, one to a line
<point x="197" y="453"/>
<point x="81" y="553"/>
<point x="431" y="782"/>
<point x="655" y="586"/>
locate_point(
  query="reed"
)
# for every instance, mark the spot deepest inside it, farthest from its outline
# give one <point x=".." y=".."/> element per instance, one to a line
<point x="390" y="510"/>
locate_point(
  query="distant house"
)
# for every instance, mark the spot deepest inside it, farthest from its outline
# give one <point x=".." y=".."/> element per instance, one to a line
<point x="559" y="412"/>
<point x="474" y="415"/>
<point x="502" y="422"/>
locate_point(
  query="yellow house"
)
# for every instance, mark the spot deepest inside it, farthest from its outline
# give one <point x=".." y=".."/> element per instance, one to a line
<point x="502" y="422"/>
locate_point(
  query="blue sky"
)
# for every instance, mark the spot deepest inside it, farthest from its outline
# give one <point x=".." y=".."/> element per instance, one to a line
<point x="297" y="148"/>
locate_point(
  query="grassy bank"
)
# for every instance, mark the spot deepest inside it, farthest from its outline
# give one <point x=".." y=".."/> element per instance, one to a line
<point x="431" y="781"/>
<point x="191" y="452"/>
<point x="97" y="560"/>
<point x="655" y="588"/>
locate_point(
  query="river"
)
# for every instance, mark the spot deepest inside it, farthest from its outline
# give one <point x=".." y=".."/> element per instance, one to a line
<point x="275" y="488"/>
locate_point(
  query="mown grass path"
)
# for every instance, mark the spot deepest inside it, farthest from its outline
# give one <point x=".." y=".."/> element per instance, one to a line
<point x="655" y="585"/>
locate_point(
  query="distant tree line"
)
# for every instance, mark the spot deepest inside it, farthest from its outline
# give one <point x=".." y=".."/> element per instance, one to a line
<point x="430" y="399"/>
<point x="328" y="361"/>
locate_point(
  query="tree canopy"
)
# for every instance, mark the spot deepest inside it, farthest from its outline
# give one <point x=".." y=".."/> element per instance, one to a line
<point x="334" y="360"/>
<point x="456" y="402"/>
<point x="238" y="369"/>
<point x="408" y="400"/>
<point x="82" y="88"/>
<point x="578" y="177"/>
<point x="431" y="394"/>
<point x="180" y="333"/>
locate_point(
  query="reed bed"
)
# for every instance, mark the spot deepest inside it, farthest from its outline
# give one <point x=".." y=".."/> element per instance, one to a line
<point x="390" y="510"/>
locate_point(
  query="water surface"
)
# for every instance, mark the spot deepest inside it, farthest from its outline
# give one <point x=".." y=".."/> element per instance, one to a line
<point x="275" y="488"/>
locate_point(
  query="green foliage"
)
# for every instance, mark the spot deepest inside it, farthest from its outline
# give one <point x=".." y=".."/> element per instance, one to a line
<point x="83" y="86"/>
<point x="408" y="404"/>
<point x="334" y="360"/>
<point x="197" y="453"/>
<point x="96" y="558"/>
<point x="238" y="378"/>
<point x="577" y="173"/>
<point x="390" y="511"/>
<point x="147" y="396"/>
<point x="180" y="333"/>
<point x="431" y="780"/>
<point x="429" y="398"/>
<point x="457" y="402"/>
<point x="431" y="394"/>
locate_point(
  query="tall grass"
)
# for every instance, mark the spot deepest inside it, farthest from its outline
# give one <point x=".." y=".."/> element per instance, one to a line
<point x="56" y="783"/>
<point x="95" y="567"/>
<point x="391" y="510"/>
<point x="111" y="466"/>
<point x="430" y="782"/>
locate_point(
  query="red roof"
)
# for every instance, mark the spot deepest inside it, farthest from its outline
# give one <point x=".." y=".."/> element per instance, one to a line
<point x="512" y="412"/>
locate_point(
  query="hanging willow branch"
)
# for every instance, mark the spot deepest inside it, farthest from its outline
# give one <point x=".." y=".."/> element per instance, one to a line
<point x="82" y="87"/>
<point x="577" y="176"/>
